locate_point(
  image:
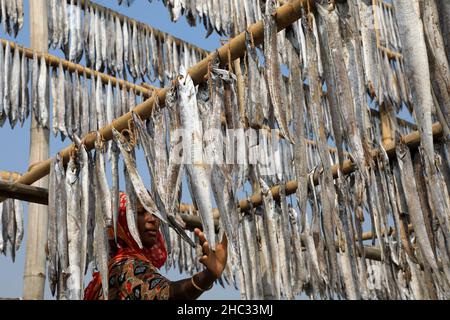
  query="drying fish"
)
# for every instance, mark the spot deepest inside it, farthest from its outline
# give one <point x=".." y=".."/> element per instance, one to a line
<point x="198" y="173"/>
<point x="34" y="87"/>
<point x="24" y="97"/>
<point x="409" y="185"/>
<point x="15" y="89"/>
<point x="68" y="103"/>
<point x="102" y="183"/>
<point x="52" y="265"/>
<point x="416" y="62"/>
<point x="44" y="114"/>
<point x="3" y="114"/>
<point x="165" y="207"/>
<point x="270" y="225"/>
<point x="101" y="242"/>
<point x="62" y="235"/>
<point x="6" y="81"/>
<point x="72" y="186"/>
<point x="144" y="197"/>
<point x="273" y="71"/>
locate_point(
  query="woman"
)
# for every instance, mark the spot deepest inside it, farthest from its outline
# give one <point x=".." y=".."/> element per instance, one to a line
<point x="133" y="272"/>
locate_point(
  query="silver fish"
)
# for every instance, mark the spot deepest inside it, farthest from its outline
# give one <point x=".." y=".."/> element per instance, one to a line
<point x="2" y="240"/>
<point x="18" y="216"/>
<point x="198" y="173"/>
<point x="68" y="103"/>
<point x="74" y="231"/>
<point x="76" y="93"/>
<point x="99" y="102"/>
<point x="24" y="97"/>
<point x="61" y="102"/>
<point x="416" y="62"/>
<point x="34" y="87"/>
<point x="79" y="32"/>
<point x="15" y="89"/>
<point x="91" y="53"/>
<point x="165" y="207"/>
<point x="64" y="23"/>
<point x="141" y="192"/>
<point x="85" y="115"/>
<point x="44" y="114"/>
<point x="270" y="225"/>
<point x="61" y="223"/>
<point x="72" y="32"/>
<point x="104" y="39"/>
<point x="97" y="39"/>
<point x="53" y="194"/>
<point x="273" y="71"/>
<point x="101" y="249"/>
<point x="3" y="115"/>
<point x="7" y="81"/>
<point x="102" y="183"/>
<point x="409" y="186"/>
<point x="55" y="100"/>
<point x="115" y="196"/>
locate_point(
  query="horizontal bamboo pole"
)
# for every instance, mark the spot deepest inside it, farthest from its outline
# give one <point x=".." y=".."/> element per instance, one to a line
<point x="24" y="192"/>
<point x="285" y="16"/>
<point x="158" y="33"/>
<point x="54" y="61"/>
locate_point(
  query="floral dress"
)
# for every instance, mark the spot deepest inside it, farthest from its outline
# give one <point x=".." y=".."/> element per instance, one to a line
<point x="134" y="279"/>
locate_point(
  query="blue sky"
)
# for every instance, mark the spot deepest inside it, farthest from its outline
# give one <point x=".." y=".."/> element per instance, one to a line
<point x="15" y="143"/>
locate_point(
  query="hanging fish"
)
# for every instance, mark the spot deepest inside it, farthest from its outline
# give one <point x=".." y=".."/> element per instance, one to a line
<point x="61" y="102"/>
<point x="102" y="183"/>
<point x="198" y="174"/>
<point x="24" y="97"/>
<point x="273" y="71"/>
<point x="15" y="89"/>
<point x="44" y="114"/>
<point x="3" y="114"/>
<point x="7" y="81"/>
<point x="72" y="185"/>
<point x="34" y="87"/>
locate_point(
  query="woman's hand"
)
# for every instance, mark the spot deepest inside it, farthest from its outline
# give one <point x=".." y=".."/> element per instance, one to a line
<point x="214" y="260"/>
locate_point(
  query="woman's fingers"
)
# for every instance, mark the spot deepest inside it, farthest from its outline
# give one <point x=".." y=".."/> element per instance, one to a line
<point x="224" y="240"/>
<point x="204" y="259"/>
<point x="205" y="248"/>
<point x="201" y="236"/>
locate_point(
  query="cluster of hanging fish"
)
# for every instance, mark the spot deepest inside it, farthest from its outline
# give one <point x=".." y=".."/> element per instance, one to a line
<point x="11" y="227"/>
<point x="11" y="16"/>
<point x="226" y="17"/>
<point x="113" y="43"/>
<point x="311" y="242"/>
<point x="78" y="104"/>
<point x="14" y="78"/>
<point x="395" y="194"/>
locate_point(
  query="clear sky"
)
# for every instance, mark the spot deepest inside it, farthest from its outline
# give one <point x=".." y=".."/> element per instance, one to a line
<point x="15" y="143"/>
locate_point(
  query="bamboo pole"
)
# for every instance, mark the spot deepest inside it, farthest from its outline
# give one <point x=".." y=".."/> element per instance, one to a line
<point x="54" y="61"/>
<point x="35" y="259"/>
<point x="158" y="33"/>
<point x="285" y="16"/>
<point x="24" y="192"/>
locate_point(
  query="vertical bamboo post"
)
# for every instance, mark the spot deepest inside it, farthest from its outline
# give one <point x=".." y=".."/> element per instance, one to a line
<point x="386" y="129"/>
<point x="34" y="274"/>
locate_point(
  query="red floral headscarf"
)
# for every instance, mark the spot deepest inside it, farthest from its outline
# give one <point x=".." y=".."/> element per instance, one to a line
<point x="125" y="248"/>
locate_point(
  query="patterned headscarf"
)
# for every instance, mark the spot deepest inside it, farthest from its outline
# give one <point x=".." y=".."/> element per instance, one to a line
<point x="125" y="248"/>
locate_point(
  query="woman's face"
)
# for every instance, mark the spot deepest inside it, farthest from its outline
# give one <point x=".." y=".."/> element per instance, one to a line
<point x="148" y="226"/>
